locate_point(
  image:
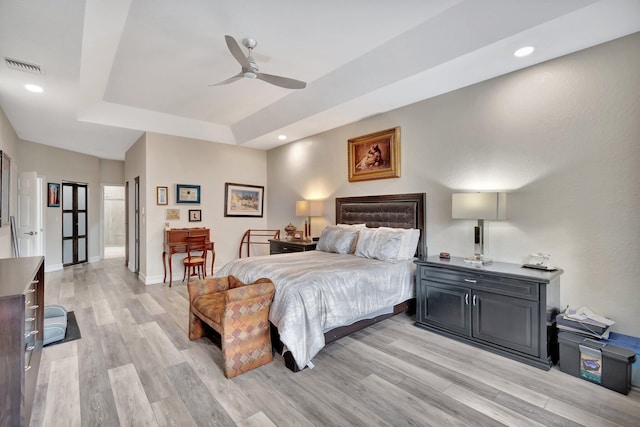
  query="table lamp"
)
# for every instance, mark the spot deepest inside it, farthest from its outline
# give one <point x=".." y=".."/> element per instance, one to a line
<point x="308" y="208"/>
<point x="480" y="206"/>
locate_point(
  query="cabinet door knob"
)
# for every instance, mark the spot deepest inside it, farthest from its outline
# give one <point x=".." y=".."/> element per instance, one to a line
<point x="475" y="299"/>
<point x="470" y="280"/>
<point x="466" y="299"/>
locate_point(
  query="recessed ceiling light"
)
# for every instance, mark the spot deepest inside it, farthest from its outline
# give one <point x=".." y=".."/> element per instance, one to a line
<point x="282" y="137"/>
<point x="33" y="88"/>
<point x="524" y="51"/>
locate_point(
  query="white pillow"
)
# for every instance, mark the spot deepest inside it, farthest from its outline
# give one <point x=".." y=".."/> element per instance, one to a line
<point x="409" y="242"/>
<point x="356" y="227"/>
<point x="337" y="239"/>
<point x="382" y="244"/>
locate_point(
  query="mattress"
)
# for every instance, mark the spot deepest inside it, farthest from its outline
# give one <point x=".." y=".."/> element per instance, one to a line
<point x="318" y="291"/>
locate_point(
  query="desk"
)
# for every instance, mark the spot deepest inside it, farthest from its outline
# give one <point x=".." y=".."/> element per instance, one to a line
<point x="175" y="242"/>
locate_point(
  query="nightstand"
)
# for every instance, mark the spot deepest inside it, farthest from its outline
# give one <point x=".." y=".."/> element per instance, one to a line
<point x="285" y="246"/>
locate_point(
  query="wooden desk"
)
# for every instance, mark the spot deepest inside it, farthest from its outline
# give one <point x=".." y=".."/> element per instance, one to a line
<point x="175" y="242"/>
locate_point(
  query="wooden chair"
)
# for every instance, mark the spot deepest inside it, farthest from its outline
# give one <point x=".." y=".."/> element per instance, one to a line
<point x="196" y="259"/>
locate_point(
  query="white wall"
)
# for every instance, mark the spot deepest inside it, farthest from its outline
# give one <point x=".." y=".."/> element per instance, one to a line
<point x="562" y="138"/>
<point x="171" y="160"/>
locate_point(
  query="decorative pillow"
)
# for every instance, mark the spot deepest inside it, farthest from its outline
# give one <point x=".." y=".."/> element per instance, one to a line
<point x="409" y="242"/>
<point x="337" y="239"/>
<point x="356" y="227"/>
<point x="382" y="244"/>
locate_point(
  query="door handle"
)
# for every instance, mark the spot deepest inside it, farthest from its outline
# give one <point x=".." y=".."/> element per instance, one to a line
<point x="32" y="233"/>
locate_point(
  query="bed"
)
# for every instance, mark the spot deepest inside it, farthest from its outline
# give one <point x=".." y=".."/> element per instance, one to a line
<point x="322" y="296"/>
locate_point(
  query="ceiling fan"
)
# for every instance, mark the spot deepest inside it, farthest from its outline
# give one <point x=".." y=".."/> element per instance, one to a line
<point x="251" y="71"/>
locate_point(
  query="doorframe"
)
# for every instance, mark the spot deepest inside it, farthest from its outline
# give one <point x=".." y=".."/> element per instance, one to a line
<point x="136" y="222"/>
<point x="75" y="210"/>
<point x="126" y="223"/>
<point x="103" y="219"/>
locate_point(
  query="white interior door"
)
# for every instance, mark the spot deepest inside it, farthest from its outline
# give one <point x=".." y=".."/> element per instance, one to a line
<point x="29" y="224"/>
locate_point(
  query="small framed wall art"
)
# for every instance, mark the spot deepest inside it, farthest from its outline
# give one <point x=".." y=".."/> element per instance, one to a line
<point x="162" y="195"/>
<point x="173" y="214"/>
<point x="188" y="194"/>
<point x="53" y="195"/>
<point x="374" y="156"/>
<point x="195" y="215"/>
<point x="243" y="200"/>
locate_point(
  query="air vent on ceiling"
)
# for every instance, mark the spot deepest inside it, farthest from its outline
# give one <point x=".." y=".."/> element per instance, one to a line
<point x="23" y="66"/>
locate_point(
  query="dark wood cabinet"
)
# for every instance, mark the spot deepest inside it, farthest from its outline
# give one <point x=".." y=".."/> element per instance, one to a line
<point x="285" y="246"/>
<point x="501" y="307"/>
<point x="21" y="334"/>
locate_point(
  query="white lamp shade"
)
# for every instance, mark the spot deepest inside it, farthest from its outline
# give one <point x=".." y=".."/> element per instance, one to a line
<point x="478" y="205"/>
<point x="316" y="208"/>
<point x="302" y="208"/>
<point x="309" y="208"/>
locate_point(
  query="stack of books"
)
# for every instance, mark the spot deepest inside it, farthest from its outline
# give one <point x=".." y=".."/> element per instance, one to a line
<point x="585" y="322"/>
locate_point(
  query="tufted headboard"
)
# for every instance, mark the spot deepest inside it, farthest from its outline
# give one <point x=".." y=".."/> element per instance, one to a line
<point x="393" y="210"/>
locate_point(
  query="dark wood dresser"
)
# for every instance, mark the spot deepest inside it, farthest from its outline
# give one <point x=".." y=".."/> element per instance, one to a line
<point x="277" y="246"/>
<point x="21" y="332"/>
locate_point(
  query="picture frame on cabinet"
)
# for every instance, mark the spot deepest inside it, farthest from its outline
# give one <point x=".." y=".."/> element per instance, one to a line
<point x="374" y="156"/>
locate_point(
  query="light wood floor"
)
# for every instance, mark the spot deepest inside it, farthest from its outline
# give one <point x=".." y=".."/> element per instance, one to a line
<point x="134" y="366"/>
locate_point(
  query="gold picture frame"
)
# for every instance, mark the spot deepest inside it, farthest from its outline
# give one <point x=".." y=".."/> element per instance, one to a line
<point x="374" y="156"/>
<point x="162" y="195"/>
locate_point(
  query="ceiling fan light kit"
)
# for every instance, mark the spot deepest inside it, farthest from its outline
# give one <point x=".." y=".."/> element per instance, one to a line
<point x="250" y="68"/>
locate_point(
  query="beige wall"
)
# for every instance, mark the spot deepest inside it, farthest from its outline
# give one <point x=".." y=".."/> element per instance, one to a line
<point x="8" y="144"/>
<point x="135" y="166"/>
<point x="170" y="160"/>
<point x="58" y="165"/>
<point x="562" y="138"/>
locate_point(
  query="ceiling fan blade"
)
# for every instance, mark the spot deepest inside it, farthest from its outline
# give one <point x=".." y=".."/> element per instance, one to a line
<point x="235" y="50"/>
<point x="230" y="79"/>
<point x="284" y="82"/>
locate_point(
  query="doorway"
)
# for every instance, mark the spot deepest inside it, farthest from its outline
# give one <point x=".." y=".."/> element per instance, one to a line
<point x="114" y="221"/>
<point x="30" y="224"/>
<point x="74" y="223"/>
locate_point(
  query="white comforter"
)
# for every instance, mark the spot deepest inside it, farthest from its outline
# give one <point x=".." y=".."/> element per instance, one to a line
<point x="319" y="291"/>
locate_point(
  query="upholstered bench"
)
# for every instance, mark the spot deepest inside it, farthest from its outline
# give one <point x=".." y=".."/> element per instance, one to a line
<point x="239" y="313"/>
<point x="55" y="324"/>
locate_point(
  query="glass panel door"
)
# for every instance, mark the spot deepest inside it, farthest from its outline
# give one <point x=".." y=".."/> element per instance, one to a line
<point x="74" y="223"/>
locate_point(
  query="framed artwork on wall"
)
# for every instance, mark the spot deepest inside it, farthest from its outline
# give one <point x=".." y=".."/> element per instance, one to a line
<point x="162" y="195"/>
<point x="195" y="215"/>
<point x="374" y="156"/>
<point x="53" y="195"/>
<point x="243" y="200"/>
<point x="173" y="214"/>
<point x="188" y="194"/>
